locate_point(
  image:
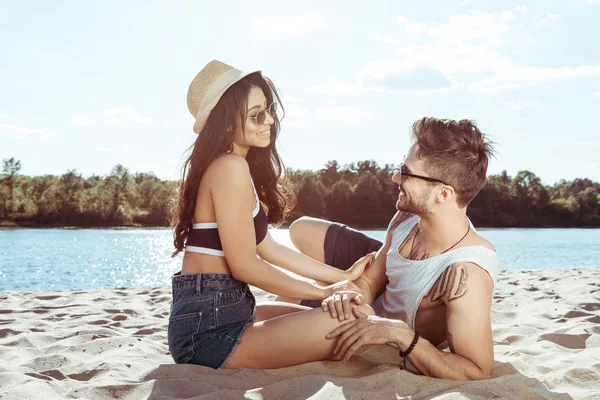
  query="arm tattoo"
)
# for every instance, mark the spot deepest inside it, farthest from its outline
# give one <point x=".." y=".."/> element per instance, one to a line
<point x="451" y="285"/>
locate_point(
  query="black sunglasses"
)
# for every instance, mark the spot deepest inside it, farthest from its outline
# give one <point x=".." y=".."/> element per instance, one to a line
<point x="405" y="172"/>
<point x="261" y="116"/>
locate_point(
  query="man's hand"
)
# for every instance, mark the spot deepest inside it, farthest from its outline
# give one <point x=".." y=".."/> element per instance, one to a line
<point x="366" y="330"/>
<point x="357" y="269"/>
<point x="338" y="304"/>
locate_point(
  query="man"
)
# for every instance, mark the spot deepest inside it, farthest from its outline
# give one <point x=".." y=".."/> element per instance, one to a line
<point x="431" y="281"/>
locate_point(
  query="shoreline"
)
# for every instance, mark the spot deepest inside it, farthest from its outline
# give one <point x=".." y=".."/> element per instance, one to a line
<point x="112" y="343"/>
<point x="124" y="227"/>
<point x="167" y="286"/>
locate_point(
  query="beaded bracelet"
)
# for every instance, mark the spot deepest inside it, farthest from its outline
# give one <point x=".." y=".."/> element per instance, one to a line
<point x="404" y="354"/>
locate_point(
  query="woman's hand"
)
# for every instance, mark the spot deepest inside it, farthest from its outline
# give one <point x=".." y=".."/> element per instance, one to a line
<point x="338" y="304"/>
<point x="340" y="287"/>
<point x="356" y="270"/>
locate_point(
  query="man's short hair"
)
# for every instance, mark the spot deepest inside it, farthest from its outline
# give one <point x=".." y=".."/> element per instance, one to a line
<point x="455" y="152"/>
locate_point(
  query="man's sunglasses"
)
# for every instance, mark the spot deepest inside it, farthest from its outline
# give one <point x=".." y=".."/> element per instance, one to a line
<point x="405" y="172"/>
<point x="261" y="116"/>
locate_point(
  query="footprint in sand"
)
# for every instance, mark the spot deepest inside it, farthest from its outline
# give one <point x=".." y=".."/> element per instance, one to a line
<point x="566" y="340"/>
<point x="576" y="314"/>
<point x="98" y="322"/>
<point x="47" y="297"/>
<point x="590" y="306"/>
<point x="4" y="333"/>
<point x="595" y="319"/>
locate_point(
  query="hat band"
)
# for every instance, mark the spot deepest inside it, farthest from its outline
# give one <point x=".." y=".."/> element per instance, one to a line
<point x="214" y="92"/>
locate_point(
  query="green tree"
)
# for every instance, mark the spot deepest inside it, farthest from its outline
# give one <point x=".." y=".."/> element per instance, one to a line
<point x="68" y="196"/>
<point x="10" y="170"/>
<point x="330" y="174"/>
<point x="310" y="198"/>
<point x="337" y="203"/>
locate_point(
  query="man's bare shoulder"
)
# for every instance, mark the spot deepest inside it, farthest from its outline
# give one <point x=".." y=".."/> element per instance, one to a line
<point x="477" y="240"/>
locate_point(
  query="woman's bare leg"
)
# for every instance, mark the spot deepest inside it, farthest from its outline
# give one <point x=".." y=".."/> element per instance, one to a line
<point x="308" y="236"/>
<point x="273" y="309"/>
<point x="288" y="340"/>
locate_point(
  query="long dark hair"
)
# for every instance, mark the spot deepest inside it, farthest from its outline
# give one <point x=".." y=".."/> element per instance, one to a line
<point x="216" y="138"/>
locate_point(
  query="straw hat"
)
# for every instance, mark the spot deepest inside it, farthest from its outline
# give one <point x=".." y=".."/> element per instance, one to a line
<point x="207" y="88"/>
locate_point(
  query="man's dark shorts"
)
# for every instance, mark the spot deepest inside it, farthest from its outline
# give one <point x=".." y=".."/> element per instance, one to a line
<point x="343" y="247"/>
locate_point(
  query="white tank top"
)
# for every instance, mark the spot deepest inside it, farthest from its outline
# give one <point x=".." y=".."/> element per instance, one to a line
<point x="409" y="280"/>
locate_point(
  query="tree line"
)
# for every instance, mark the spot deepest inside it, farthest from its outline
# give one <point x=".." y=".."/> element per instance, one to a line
<point x="358" y="194"/>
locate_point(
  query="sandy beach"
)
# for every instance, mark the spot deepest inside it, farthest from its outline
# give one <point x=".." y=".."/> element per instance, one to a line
<point x="105" y="344"/>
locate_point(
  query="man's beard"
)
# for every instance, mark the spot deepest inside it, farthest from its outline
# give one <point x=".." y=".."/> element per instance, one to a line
<point x="416" y="206"/>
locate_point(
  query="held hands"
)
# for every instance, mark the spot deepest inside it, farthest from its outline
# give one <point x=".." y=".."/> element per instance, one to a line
<point x="356" y="270"/>
<point x="366" y="330"/>
<point x="338" y="304"/>
<point x="342" y="293"/>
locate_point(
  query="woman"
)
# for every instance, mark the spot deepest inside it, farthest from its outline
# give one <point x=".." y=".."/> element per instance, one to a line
<point x="232" y="172"/>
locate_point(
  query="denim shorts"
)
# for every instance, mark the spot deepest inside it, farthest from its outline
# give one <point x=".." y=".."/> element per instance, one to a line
<point x="343" y="247"/>
<point x="208" y="316"/>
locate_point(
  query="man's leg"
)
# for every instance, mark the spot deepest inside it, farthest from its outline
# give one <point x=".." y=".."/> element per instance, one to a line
<point x="308" y="235"/>
<point x="330" y="243"/>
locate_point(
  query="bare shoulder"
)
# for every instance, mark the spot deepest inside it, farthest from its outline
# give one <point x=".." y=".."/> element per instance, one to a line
<point x="228" y="165"/>
<point x="478" y="240"/>
<point x="461" y="280"/>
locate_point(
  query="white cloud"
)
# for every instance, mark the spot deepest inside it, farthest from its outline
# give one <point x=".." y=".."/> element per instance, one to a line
<point x="281" y="26"/>
<point x="105" y="149"/>
<point x="466" y="2"/>
<point x="463" y="51"/>
<point x="4" y="116"/>
<point x="381" y="38"/>
<point x="81" y="120"/>
<point x="337" y="88"/>
<point x="507" y="15"/>
<point x="513" y="77"/>
<point x="519" y="104"/>
<point x="305" y="118"/>
<point x="481" y="26"/>
<point x="122" y="116"/>
<point x="19" y="132"/>
<point x="341" y="114"/>
<point x="545" y="20"/>
<point x="294" y="110"/>
<point x="597" y="94"/>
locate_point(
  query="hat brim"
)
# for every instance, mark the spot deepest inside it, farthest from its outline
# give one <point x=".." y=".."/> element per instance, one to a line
<point x="204" y="113"/>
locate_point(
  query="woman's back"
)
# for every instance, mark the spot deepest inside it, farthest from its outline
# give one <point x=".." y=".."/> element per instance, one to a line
<point x="204" y="211"/>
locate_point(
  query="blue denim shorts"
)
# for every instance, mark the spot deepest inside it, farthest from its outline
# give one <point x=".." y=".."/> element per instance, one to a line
<point x="208" y="316"/>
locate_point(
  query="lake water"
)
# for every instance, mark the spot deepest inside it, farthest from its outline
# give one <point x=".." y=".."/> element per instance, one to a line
<point x="58" y="259"/>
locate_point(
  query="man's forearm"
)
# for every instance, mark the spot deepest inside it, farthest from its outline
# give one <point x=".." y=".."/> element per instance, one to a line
<point x="366" y="289"/>
<point x="430" y="361"/>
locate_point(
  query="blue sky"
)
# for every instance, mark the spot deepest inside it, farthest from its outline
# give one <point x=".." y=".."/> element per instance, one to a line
<point x="86" y="85"/>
